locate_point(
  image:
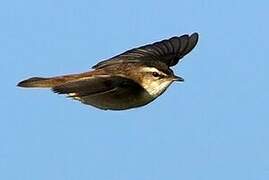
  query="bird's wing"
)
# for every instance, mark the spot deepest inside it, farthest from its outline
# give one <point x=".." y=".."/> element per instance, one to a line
<point x="92" y="86"/>
<point x="168" y="51"/>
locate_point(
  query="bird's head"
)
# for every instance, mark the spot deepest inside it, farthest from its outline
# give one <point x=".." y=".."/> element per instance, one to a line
<point x="156" y="80"/>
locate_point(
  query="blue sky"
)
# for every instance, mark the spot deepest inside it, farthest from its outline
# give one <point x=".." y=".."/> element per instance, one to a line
<point x="213" y="126"/>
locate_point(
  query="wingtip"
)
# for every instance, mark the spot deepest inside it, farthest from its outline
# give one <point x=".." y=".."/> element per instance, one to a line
<point x="192" y="42"/>
<point x="195" y="37"/>
<point x="195" y="34"/>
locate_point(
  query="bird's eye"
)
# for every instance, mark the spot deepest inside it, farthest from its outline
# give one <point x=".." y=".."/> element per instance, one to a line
<point x="155" y="74"/>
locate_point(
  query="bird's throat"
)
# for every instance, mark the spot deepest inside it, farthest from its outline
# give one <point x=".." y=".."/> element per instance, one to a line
<point x="155" y="89"/>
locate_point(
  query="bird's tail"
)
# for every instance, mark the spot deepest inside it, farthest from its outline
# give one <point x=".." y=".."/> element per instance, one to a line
<point x="39" y="82"/>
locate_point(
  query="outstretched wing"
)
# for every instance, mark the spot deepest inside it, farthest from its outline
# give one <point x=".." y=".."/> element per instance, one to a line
<point x="167" y="51"/>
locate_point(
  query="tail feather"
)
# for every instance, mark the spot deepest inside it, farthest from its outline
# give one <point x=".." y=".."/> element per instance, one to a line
<point x="35" y="82"/>
<point x="38" y="82"/>
<point x="50" y="82"/>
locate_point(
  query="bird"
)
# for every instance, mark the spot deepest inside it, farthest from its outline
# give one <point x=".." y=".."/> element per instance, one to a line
<point x="131" y="79"/>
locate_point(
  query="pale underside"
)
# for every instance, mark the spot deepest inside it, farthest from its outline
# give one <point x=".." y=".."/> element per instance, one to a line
<point x="115" y="93"/>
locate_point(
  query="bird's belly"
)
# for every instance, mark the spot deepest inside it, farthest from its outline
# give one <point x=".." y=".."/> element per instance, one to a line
<point x="117" y="102"/>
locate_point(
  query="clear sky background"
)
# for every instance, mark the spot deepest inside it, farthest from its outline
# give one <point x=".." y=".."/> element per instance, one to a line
<point x="214" y="126"/>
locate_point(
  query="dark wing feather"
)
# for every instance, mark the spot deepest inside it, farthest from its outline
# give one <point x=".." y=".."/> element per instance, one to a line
<point x="94" y="85"/>
<point x="84" y="86"/>
<point x="167" y="51"/>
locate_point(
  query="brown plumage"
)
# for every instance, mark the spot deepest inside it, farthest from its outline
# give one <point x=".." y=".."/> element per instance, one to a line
<point x="131" y="79"/>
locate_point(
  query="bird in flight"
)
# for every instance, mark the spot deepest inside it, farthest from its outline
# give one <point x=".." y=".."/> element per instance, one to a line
<point x="128" y="80"/>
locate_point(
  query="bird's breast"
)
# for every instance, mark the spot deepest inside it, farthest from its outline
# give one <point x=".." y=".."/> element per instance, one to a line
<point x="155" y="88"/>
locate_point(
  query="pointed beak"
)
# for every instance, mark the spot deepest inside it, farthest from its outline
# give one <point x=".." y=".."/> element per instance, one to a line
<point x="177" y="78"/>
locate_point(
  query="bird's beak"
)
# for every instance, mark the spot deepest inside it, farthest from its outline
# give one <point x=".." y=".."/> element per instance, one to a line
<point x="177" y="78"/>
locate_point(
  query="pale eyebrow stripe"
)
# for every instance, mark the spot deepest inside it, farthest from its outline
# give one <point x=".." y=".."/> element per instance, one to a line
<point x="152" y="69"/>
